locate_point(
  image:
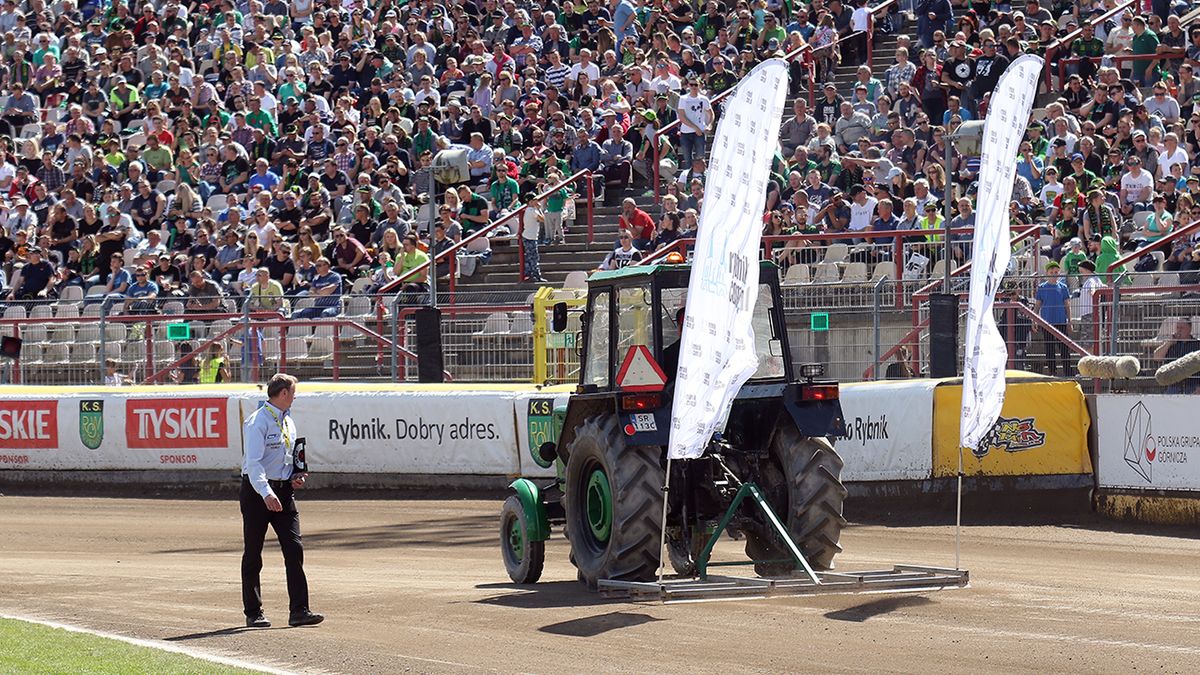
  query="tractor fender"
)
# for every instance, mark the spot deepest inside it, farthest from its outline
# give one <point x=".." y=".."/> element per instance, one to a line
<point x="815" y="419"/>
<point x="535" y="512"/>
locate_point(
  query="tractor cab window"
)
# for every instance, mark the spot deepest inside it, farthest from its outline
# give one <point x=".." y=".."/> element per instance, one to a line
<point x="635" y="319"/>
<point x="596" y="368"/>
<point x="767" y="345"/>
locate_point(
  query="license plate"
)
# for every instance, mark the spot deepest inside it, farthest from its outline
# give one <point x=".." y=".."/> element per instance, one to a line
<point x="644" y="422"/>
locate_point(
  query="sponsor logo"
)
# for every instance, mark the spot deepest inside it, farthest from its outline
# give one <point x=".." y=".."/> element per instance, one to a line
<point x="1140" y="448"/>
<point x="176" y="423"/>
<point x="1011" y="434"/>
<point x="540" y="424"/>
<point x="29" y="425"/>
<point x="91" y="423"/>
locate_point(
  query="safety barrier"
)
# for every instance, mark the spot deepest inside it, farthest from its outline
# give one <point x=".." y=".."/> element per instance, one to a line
<point x="406" y="429"/>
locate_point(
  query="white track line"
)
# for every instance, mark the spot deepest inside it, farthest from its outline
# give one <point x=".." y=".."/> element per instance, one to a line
<point x="152" y="644"/>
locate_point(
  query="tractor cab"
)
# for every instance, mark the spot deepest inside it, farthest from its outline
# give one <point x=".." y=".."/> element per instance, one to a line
<point x="642" y="307"/>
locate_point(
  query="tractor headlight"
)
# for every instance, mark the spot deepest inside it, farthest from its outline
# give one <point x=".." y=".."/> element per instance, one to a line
<point x="812" y="371"/>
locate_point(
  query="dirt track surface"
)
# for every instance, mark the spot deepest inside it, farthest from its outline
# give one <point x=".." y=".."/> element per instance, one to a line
<point x="419" y="586"/>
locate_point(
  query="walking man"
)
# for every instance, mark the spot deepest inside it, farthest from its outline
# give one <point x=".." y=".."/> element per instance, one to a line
<point x="268" y="496"/>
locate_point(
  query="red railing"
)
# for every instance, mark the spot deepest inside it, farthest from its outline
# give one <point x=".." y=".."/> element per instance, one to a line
<point x="1179" y="233"/>
<point x="1057" y="47"/>
<point x="452" y="252"/>
<point x="1119" y="59"/>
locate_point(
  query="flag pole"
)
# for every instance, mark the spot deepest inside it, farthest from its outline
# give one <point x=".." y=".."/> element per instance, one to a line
<point x="662" y="537"/>
<point x="958" y="511"/>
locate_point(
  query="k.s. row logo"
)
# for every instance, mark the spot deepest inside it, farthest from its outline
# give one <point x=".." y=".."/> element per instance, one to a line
<point x="1011" y="434"/>
<point x="91" y="423"/>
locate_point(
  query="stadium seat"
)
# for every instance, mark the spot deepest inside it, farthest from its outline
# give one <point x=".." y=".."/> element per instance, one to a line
<point x="883" y="270"/>
<point x="217" y="203"/>
<point x="1142" y="279"/>
<point x="322" y="332"/>
<point x="797" y="274"/>
<point x="1167" y="279"/>
<point x="165" y="186"/>
<point x="62" y="332"/>
<point x="83" y="354"/>
<point x="836" y="253"/>
<point x="131" y="353"/>
<point x="31" y="354"/>
<point x="56" y="353"/>
<point x="360" y="285"/>
<point x="575" y="280"/>
<point x="115" y="331"/>
<point x="136" y="140"/>
<point x="497" y="323"/>
<point x="856" y="273"/>
<point x="296" y="347"/>
<point x="31" y="130"/>
<point x="68" y="310"/>
<point x="88" y="332"/>
<point x="270" y="347"/>
<point x="358" y="307"/>
<point x="172" y="307"/>
<point x="522" y="323"/>
<point x="939" y="269"/>
<point x="827" y="273"/>
<point x="41" y="312"/>
<point x="1140" y="218"/>
<point x="15" y="312"/>
<point x="35" y="333"/>
<point x="320" y="350"/>
<point x="1165" y="330"/>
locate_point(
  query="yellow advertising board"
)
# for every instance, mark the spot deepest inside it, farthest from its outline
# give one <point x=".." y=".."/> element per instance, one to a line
<point x="1042" y="431"/>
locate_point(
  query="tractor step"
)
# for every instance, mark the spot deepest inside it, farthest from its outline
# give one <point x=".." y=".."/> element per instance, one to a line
<point x="899" y="579"/>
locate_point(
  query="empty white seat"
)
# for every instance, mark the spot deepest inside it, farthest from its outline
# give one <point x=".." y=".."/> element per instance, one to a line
<point x="883" y="270"/>
<point x="296" y="348"/>
<point x="496" y="323"/>
<point x="856" y="272"/>
<point x="321" y="349"/>
<point x="217" y="203"/>
<point x="41" y="312"/>
<point x="522" y="323"/>
<point x="115" y="331"/>
<point x="172" y="307"/>
<point x="35" y="333"/>
<point x="88" y="332"/>
<point x="826" y="273"/>
<point x="62" y="332"/>
<point x="797" y="274"/>
<point x="15" y="312"/>
<point x="130" y="353"/>
<point x="69" y="310"/>
<point x="92" y="311"/>
<point x="70" y="294"/>
<point x="360" y="285"/>
<point x="56" y="353"/>
<point x="358" y="306"/>
<point x="836" y="253"/>
<point x="576" y="279"/>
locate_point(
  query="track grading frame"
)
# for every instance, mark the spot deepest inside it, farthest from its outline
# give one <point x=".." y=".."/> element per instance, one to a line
<point x="705" y="587"/>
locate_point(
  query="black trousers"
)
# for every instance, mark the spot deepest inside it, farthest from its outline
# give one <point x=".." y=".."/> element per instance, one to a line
<point x="1055" y="350"/>
<point x="286" y="523"/>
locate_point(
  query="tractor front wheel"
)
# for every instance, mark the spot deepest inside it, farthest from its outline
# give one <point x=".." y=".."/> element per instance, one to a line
<point x="613" y="504"/>
<point x="523" y="558"/>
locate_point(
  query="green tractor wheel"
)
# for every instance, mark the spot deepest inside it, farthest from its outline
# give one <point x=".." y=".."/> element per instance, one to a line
<point x="523" y="558"/>
<point x="613" y="504"/>
<point x="809" y="502"/>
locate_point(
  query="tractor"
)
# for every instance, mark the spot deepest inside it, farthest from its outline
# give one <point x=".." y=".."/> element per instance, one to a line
<point x="611" y="460"/>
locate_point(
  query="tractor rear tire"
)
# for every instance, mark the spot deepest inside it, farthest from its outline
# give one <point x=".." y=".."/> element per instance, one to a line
<point x="813" y="509"/>
<point x="523" y="559"/>
<point x="603" y="472"/>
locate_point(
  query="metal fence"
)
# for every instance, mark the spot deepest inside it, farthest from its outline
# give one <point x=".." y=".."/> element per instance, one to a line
<point x="855" y="328"/>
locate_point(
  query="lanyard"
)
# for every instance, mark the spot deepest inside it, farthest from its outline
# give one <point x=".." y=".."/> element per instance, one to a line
<point x="287" y="442"/>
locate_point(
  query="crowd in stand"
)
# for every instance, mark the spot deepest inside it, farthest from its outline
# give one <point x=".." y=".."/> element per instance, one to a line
<point x="280" y="150"/>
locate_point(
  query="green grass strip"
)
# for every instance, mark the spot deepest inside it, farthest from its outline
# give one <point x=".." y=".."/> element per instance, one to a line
<point x="33" y="648"/>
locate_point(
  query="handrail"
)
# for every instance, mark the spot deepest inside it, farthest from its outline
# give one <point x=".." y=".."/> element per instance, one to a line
<point x="1194" y="226"/>
<point x="668" y="128"/>
<point x="812" y="74"/>
<point x="768" y="239"/>
<point x="453" y="250"/>
<point x="871" y="38"/>
<point x="1052" y="50"/>
<point x="924" y="291"/>
<point x="1117" y="59"/>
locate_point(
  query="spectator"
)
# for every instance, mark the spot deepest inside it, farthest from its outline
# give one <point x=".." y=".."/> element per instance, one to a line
<point x="636" y="221"/>
<point x="623" y="255"/>
<point x="326" y="291"/>
<point x="140" y="297"/>
<point x="204" y="295"/>
<point x="531" y="232"/>
<point x="33" y="281"/>
<point x="1052" y="305"/>
<point x="1179" y="344"/>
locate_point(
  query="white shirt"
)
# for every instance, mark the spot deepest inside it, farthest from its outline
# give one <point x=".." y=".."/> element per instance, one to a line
<point x="694" y="111"/>
<point x="531" y="225"/>
<point x="861" y="214"/>
<point x="1085" y="303"/>
<point x="592" y="70"/>
<point x="1132" y="186"/>
<point x="1167" y="160"/>
<point x="1049" y="192"/>
<point x="860" y="19"/>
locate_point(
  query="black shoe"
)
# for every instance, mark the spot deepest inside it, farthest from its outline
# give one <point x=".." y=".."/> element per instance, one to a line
<point x="305" y="618"/>
<point x="257" y="621"/>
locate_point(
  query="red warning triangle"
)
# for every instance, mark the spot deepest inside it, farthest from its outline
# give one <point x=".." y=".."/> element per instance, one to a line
<point x="640" y="372"/>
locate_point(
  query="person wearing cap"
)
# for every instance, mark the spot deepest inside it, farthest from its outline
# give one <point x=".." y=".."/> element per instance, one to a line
<point x="1084" y="177"/>
<point x="1144" y="42"/>
<point x="695" y="117"/>
<point x="32" y="282"/>
<point x="1136" y="187"/>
